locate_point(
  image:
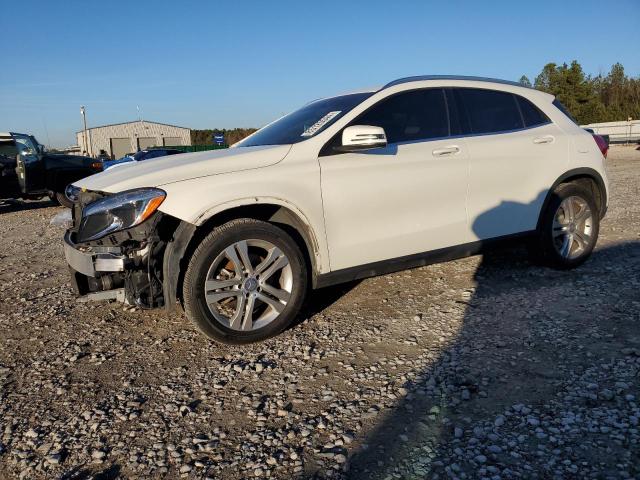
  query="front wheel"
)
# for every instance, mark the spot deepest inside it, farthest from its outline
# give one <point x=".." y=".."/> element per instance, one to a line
<point x="245" y="282"/>
<point x="569" y="227"/>
<point x="61" y="198"/>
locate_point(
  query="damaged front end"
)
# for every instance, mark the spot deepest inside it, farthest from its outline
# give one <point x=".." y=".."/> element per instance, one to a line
<point x="116" y="244"/>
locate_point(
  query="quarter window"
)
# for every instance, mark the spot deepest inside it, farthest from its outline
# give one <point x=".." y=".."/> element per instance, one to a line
<point x="558" y="104"/>
<point x="410" y="116"/>
<point x="490" y="111"/>
<point x="531" y="114"/>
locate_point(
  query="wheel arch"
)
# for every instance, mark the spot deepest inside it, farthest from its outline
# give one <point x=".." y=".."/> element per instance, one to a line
<point x="588" y="177"/>
<point x="188" y="235"/>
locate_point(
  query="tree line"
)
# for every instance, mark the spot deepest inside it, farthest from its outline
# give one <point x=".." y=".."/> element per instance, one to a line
<point x="231" y="135"/>
<point x="609" y="97"/>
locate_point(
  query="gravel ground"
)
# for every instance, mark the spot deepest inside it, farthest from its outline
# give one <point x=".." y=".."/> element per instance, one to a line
<point x="487" y="367"/>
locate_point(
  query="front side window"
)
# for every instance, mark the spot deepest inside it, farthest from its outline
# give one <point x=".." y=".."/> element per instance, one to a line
<point x="305" y="122"/>
<point x="489" y="111"/>
<point x="410" y="116"/>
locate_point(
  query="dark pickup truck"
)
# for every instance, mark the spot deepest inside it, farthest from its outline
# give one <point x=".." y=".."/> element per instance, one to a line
<point x="28" y="172"/>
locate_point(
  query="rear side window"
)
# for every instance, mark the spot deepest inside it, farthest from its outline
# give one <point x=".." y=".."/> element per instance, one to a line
<point x="489" y="111"/>
<point x="410" y="116"/>
<point x="531" y="114"/>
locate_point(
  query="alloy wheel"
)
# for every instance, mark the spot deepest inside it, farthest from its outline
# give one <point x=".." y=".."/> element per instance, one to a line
<point x="248" y="284"/>
<point x="572" y="227"/>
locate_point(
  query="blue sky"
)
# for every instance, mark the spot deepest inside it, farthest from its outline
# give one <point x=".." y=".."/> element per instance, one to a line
<point x="240" y="64"/>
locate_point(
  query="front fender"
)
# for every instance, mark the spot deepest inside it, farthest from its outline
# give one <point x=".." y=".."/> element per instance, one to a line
<point x="172" y="263"/>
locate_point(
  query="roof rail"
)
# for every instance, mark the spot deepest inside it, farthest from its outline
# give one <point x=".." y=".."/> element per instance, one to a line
<point x="450" y="77"/>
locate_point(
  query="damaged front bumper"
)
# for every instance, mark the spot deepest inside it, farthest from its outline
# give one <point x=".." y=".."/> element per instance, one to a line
<point x="124" y="265"/>
<point x="91" y="263"/>
<point x="140" y="265"/>
<point x="97" y="273"/>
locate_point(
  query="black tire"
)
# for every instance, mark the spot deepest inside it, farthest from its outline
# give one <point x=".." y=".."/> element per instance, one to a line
<point x="61" y="199"/>
<point x="545" y="247"/>
<point x="205" y="254"/>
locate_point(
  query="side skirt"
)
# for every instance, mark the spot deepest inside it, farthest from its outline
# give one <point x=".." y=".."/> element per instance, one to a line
<point x="416" y="260"/>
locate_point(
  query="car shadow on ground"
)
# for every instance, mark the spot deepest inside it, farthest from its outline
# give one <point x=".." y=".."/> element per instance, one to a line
<point x="319" y="300"/>
<point x="11" y="206"/>
<point x="525" y="334"/>
<point x="109" y="473"/>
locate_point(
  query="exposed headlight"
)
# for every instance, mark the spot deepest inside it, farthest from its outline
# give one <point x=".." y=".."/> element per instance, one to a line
<point x="118" y="212"/>
<point x="72" y="192"/>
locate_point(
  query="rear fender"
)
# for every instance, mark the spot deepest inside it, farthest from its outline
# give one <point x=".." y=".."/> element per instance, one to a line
<point x="567" y="176"/>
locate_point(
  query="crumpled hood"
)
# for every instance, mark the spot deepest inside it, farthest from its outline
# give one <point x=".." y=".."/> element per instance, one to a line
<point x="175" y="168"/>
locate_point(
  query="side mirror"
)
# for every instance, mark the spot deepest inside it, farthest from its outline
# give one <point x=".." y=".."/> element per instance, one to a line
<point x="362" y="137"/>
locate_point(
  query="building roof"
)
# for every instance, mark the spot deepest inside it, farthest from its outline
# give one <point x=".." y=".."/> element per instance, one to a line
<point x="133" y="121"/>
<point x="419" y="78"/>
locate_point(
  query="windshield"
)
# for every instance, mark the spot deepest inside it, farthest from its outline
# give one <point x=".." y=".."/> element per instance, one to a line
<point x="305" y="122"/>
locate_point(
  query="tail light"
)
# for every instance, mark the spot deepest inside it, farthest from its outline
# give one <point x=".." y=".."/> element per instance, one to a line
<point x="602" y="144"/>
<point x="98" y="165"/>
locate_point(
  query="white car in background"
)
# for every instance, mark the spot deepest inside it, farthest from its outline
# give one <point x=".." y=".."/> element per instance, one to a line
<point x="424" y="169"/>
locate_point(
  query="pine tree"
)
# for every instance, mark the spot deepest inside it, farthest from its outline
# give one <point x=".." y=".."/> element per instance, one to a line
<point x="524" y="81"/>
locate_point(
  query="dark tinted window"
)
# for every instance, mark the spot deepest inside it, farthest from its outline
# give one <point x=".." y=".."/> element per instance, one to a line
<point x="456" y="120"/>
<point x="410" y="116"/>
<point x="564" y="110"/>
<point x="531" y="114"/>
<point x="490" y="111"/>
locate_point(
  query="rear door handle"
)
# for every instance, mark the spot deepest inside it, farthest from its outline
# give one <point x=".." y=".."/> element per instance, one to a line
<point x="443" y="152"/>
<point x="545" y="139"/>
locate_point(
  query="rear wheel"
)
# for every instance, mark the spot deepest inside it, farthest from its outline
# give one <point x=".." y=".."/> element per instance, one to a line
<point x="569" y="228"/>
<point x="245" y="282"/>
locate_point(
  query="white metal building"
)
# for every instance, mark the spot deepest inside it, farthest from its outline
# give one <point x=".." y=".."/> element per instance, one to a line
<point x="119" y="139"/>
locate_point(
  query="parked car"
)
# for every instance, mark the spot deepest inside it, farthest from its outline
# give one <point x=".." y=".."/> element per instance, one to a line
<point x="27" y="171"/>
<point x="424" y="169"/>
<point x="141" y="156"/>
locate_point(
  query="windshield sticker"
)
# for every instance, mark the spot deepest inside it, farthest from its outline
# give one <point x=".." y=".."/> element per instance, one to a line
<point x="309" y="132"/>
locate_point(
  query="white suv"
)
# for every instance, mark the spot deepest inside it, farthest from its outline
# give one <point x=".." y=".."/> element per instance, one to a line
<point x="424" y="169"/>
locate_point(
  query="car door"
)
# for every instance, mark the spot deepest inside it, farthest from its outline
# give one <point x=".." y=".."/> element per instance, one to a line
<point x="515" y="155"/>
<point x="9" y="186"/>
<point x="404" y="199"/>
<point x="29" y="164"/>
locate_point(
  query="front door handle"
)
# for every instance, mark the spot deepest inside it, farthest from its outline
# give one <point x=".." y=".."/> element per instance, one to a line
<point x="545" y="139"/>
<point x="443" y="152"/>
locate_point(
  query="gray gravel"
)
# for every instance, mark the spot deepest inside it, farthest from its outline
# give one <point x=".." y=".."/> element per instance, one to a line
<point x="487" y="367"/>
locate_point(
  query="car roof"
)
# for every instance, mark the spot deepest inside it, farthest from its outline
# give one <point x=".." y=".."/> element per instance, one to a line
<point x="419" y="78"/>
